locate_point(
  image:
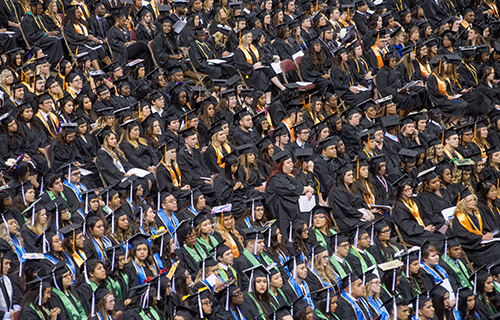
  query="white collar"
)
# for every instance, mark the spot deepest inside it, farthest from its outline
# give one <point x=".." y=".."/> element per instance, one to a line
<point x="223" y="266"/>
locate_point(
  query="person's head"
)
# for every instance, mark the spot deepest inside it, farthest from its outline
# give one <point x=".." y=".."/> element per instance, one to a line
<point x="426" y="309"/>
<point x="430" y="255"/>
<point x="357" y="288"/>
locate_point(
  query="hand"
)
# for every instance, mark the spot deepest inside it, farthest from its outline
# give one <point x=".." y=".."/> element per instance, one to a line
<point x="77" y="164"/>
<point x="126" y="175"/>
<point x="325" y="76"/>
<point x="257" y="65"/>
<point x="151" y="169"/>
<point x="226" y="53"/>
<point x="310" y="166"/>
<point x="261" y="188"/>
<point x="105" y="41"/>
<point x="376" y="210"/>
<point x="308" y="189"/>
<point x="354" y="90"/>
<point x="430" y="228"/>
<point x="368" y="75"/>
<point x="238" y="185"/>
<point x="309" y="195"/>
<point x="488" y="236"/>
<point x="452" y="303"/>
<point x="450" y="97"/>
<point x="368" y="216"/>
<point x="276" y="58"/>
<point x="26" y="158"/>
<point x="186" y="187"/>
<point x="3" y="30"/>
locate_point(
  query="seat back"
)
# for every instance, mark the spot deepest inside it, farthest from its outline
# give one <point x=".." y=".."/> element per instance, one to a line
<point x="288" y="65"/>
<point x="150" y="46"/>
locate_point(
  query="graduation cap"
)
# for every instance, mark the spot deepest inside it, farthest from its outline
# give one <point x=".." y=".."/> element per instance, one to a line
<point x="220" y="249"/>
<point x="304" y="154"/>
<point x="263" y="143"/>
<point x="408" y="155"/>
<point x="465" y="192"/>
<point x="138" y="239"/>
<point x="227" y="93"/>
<point x="281" y="156"/>
<point x="40" y="284"/>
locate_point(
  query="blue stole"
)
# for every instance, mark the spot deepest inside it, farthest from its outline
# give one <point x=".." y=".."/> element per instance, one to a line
<point x="141" y="274"/>
<point x="239" y="312"/>
<point x="193" y="210"/>
<point x="171" y="224"/>
<point x="282" y="257"/>
<point x="80" y="212"/>
<point x="100" y="252"/>
<point x="248" y="223"/>
<point x="433" y="273"/>
<point x="153" y="232"/>
<point x="74" y="187"/>
<point x="158" y="260"/>
<point x="307" y="295"/>
<point x="19" y="248"/>
<point x="70" y="263"/>
<point x="379" y="308"/>
<point x="359" y="313"/>
<point x="131" y="205"/>
<point x="100" y="317"/>
<point x="327" y="283"/>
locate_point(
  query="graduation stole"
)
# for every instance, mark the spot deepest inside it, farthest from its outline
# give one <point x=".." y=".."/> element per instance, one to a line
<point x="344" y="23"/>
<point x="255" y="262"/>
<point x="152" y="311"/>
<point x="302" y="291"/>
<point x="247" y="222"/>
<point x="175" y="175"/>
<point x="204" y="45"/>
<point x="340" y="270"/>
<point x="327" y="283"/>
<point x="100" y="317"/>
<point x="239" y="316"/>
<point x="413" y="284"/>
<point x="79" y="257"/>
<point x="321" y="238"/>
<point x="53" y="118"/>
<point x="472" y="70"/>
<point x="223" y="273"/>
<point x="113" y="286"/>
<point x="220" y="155"/>
<point x="364" y="267"/>
<point x="371" y="199"/>
<point x="74" y="312"/>
<point x="211" y="245"/>
<point x="362" y="61"/>
<point x="38" y="312"/>
<point x="39" y="23"/>
<point x="170" y="223"/>
<point x="158" y="261"/>
<point x="441" y="85"/>
<point x="81" y="29"/>
<point x="439" y="275"/>
<point x="19" y="248"/>
<point x="453" y="155"/>
<point x="231" y="243"/>
<point x="468" y="224"/>
<point x="262" y="316"/>
<point x="100" y="250"/>
<point x="197" y="255"/>
<point x="354" y="304"/>
<point x="83" y="9"/>
<point x="289" y="125"/>
<point x="491" y="308"/>
<point x="12" y="5"/>
<point x="141" y="273"/>
<point x="412" y="206"/>
<point x="465" y="24"/>
<point x="424" y="70"/>
<point x="248" y="57"/>
<point x="460" y="270"/>
<point x="378" y="55"/>
<point x="75" y="189"/>
<point x="377" y="306"/>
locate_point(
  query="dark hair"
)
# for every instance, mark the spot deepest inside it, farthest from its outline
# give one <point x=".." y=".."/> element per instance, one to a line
<point x="275" y="246"/>
<point x="299" y="243"/>
<point x="181" y="287"/>
<point x="22" y="168"/>
<point x="438" y="303"/>
<point x="91" y="266"/>
<point x="491" y="296"/>
<point x="71" y="17"/>
<point x="400" y="188"/>
<point x="61" y="138"/>
<point x="462" y="306"/>
<point x="167" y="256"/>
<point x="483" y="192"/>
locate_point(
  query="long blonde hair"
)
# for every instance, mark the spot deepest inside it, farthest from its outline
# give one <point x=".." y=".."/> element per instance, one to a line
<point x="217" y="224"/>
<point x="458" y="178"/>
<point x="126" y="136"/>
<point x="168" y="161"/>
<point x="113" y="151"/>
<point x="246" y="166"/>
<point x="408" y="65"/>
<point x="4" y="234"/>
<point x="325" y="272"/>
<point x="367" y="290"/>
<point x="462" y="206"/>
<point x="38" y="228"/>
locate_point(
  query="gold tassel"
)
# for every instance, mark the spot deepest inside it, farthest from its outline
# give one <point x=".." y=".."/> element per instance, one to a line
<point x="140" y="115"/>
<point x="222" y="221"/>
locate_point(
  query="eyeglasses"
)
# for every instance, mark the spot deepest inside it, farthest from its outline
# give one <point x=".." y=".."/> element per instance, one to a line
<point x="345" y="245"/>
<point x="208" y="304"/>
<point x="237" y="294"/>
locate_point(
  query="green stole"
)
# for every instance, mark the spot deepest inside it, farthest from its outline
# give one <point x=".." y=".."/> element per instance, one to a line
<point x="364" y="267"/>
<point x="197" y="255"/>
<point x="223" y="274"/>
<point x="338" y="267"/>
<point x="145" y="316"/>
<point x="255" y="262"/>
<point x="250" y="294"/>
<point x="415" y="288"/>
<point x="114" y="287"/>
<point x="460" y="270"/>
<point x="321" y="238"/>
<point x="321" y="316"/>
<point x="52" y="196"/>
<point x="93" y="285"/>
<point x="38" y="312"/>
<point x="206" y="244"/>
<point x="75" y="313"/>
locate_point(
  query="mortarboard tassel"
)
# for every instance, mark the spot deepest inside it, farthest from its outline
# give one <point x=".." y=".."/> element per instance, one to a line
<point x="290" y="239"/>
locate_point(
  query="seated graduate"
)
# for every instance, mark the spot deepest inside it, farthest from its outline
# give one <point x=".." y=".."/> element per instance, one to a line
<point x="252" y="256"/>
<point x="411" y="283"/>
<point x="321" y="230"/>
<point x="470" y="229"/>
<point x="383" y="248"/>
<point x="320" y="273"/>
<point x="373" y="295"/>
<point x="298" y="287"/>
<point x="34" y="305"/>
<point x="200" y="53"/>
<point x="63" y="295"/>
<point x="313" y="66"/>
<point x="454" y="264"/>
<point x="351" y="303"/>
<point x="359" y="258"/>
<point x="406" y="214"/>
<point x="487" y="303"/>
<point x="257" y="299"/>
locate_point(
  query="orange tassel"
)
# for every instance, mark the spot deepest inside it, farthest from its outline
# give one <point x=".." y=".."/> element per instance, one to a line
<point x="222" y="221"/>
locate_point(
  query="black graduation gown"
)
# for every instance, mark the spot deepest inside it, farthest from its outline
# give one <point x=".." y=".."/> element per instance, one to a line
<point x="35" y="33"/>
<point x="342" y="81"/>
<point x="359" y="68"/>
<point x="282" y="195"/>
<point x="389" y="82"/>
<point x="188" y="262"/>
<point x="199" y="53"/>
<point x="56" y="302"/>
<point x="411" y="231"/>
<point x="241" y="137"/>
<point x="210" y="158"/>
<point x="406" y="289"/>
<point x="283" y="49"/>
<point x="260" y="78"/>
<point x="241" y="264"/>
<point x="431" y="204"/>
<point x="490" y="214"/>
<point x="383" y="196"/>
<point x="345" y="207"/>
<point x="471" y="243"/>
<point x="133" y="314"/>
<point x="448" y="107"/>
<point x="109" y="172"/>
<point x="143" y="34"/>
<point x="346" y="311"/>
<point x="28" y="312"/>
<point x="163" y="47"/>
<point x="324" y="170"/>
<point x="225" y="193"/>
<point x="61" y="155"/>
<point x="141" y="157"/>
<point x="192" y="168"/>
<point x="251" y="311"/>
<point x="116" y="40"/>
<point x="31" y="243"/>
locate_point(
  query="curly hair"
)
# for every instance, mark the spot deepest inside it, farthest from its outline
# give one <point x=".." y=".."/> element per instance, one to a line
<point x="325" y="272"/>
<point x="4" y="234"/>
